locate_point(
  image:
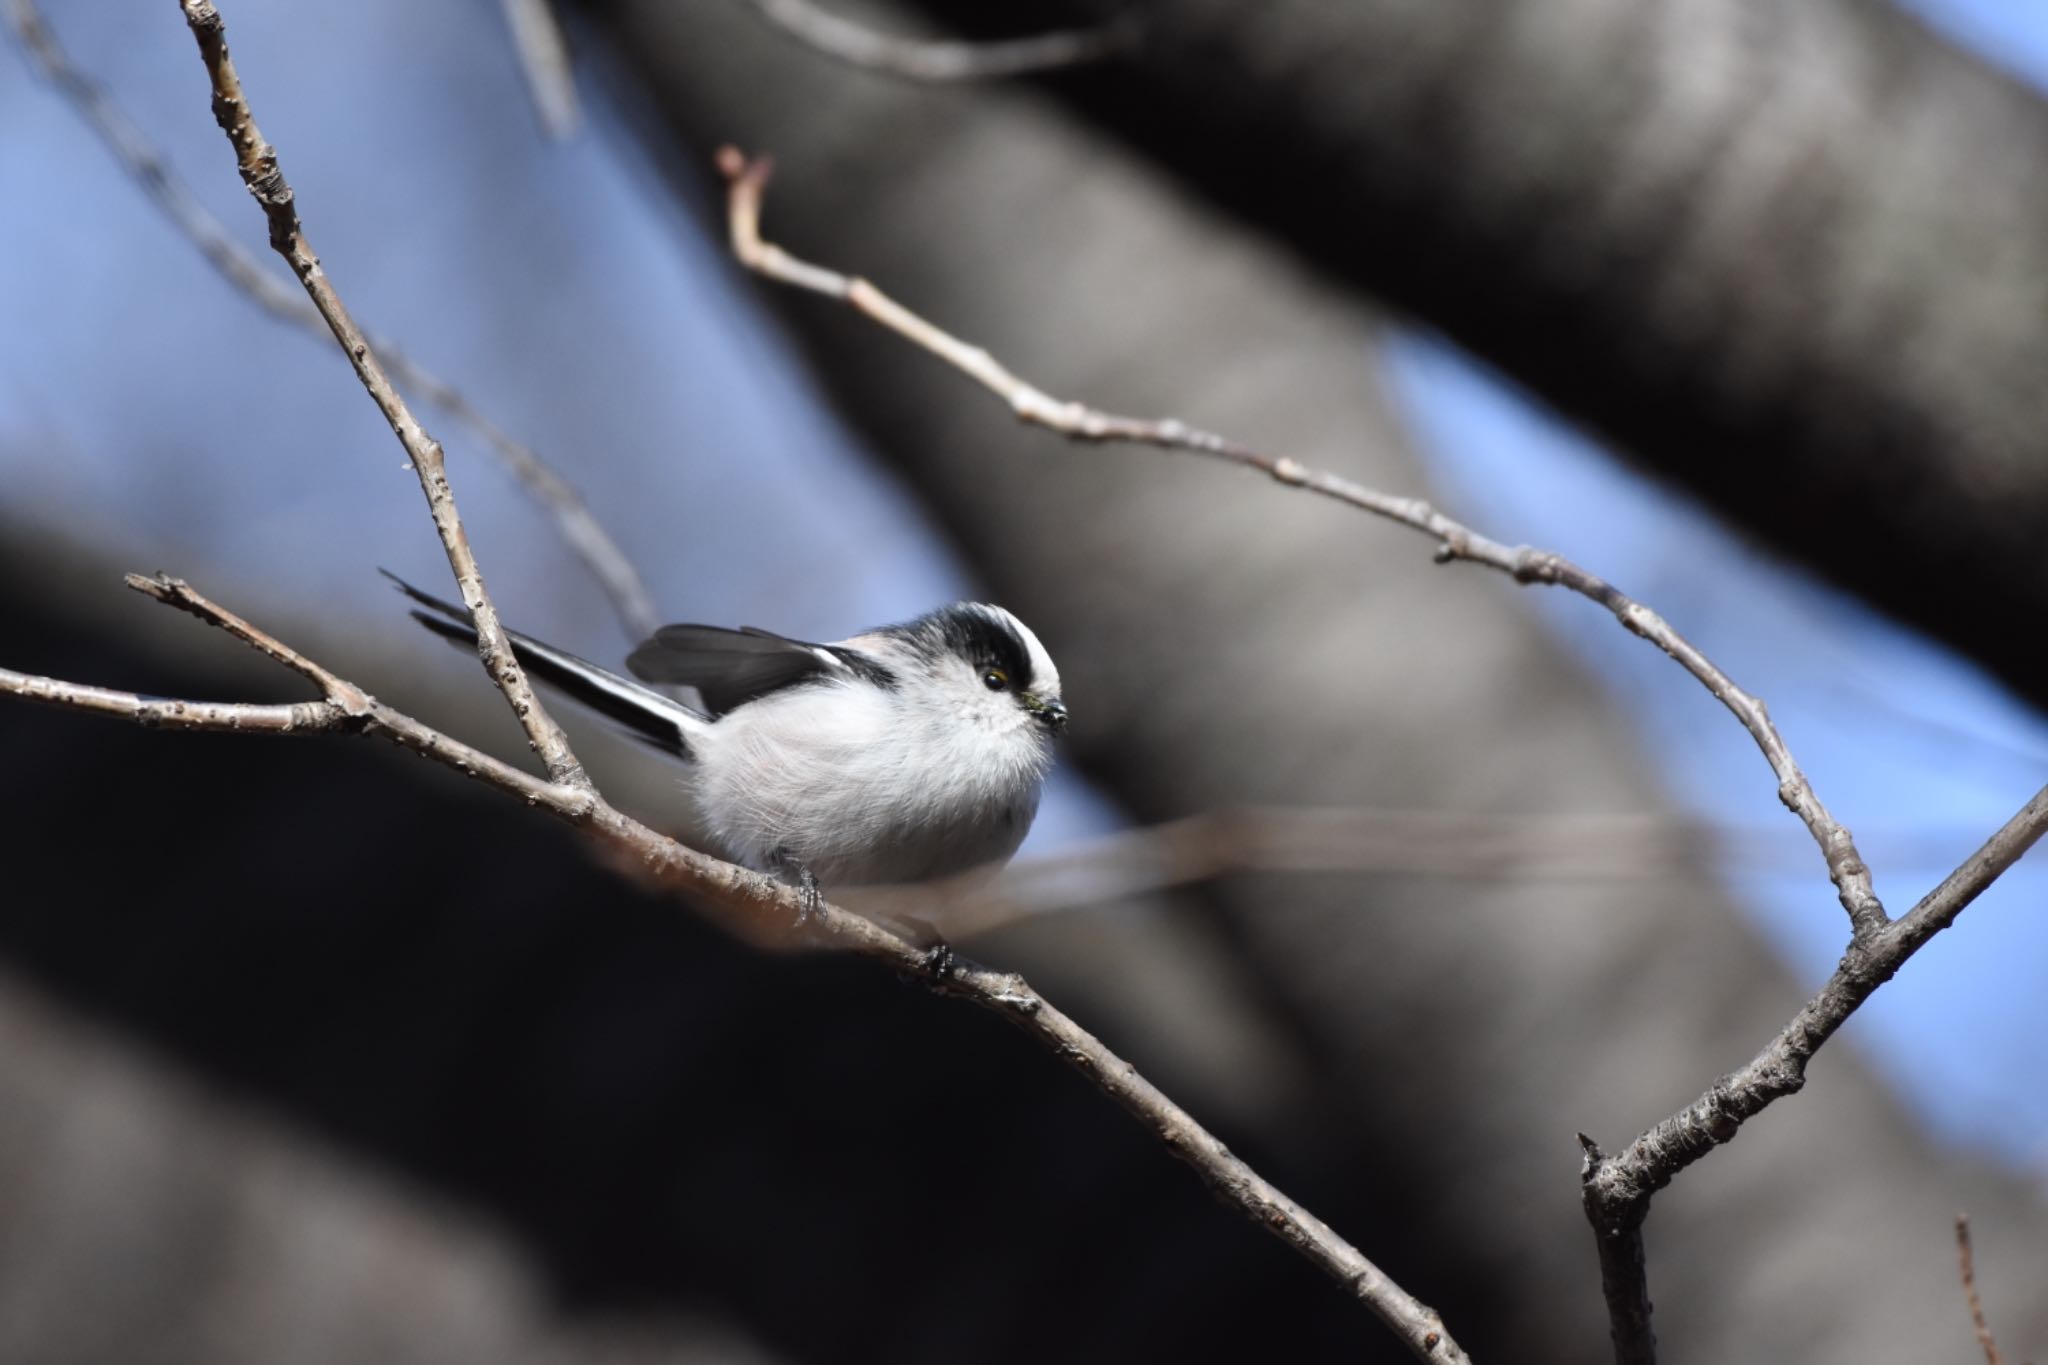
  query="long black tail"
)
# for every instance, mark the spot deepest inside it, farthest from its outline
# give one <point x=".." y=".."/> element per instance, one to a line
<point x="662" y="721"/>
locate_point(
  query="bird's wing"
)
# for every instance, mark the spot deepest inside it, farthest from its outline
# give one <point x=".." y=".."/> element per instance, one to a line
<point x="730" y="668"/>
<point x="659" y="720"/>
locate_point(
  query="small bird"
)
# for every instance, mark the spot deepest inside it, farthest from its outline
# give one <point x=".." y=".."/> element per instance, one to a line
<point x="904" y="754"/>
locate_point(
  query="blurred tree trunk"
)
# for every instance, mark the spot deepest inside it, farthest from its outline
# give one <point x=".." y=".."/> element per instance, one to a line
<point x="148" y="1220"/>
<point x="1227" y="641"/>
<point x="1790" y="254"/>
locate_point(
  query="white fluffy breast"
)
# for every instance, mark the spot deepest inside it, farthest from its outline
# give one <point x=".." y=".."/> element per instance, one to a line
<point x="865" y="784"/>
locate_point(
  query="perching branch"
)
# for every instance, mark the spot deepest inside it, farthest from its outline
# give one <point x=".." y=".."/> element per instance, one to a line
<point x="747" y="179"/>
<point x="257" y="161"/>
<point x="942" y="62"/>
<point x="151" y="170"/>
<point x="763" y="910"/>
<point x="1616" y="1190"/>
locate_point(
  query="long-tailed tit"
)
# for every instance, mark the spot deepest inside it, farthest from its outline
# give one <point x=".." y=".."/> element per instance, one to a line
<point x="903" y="754"/>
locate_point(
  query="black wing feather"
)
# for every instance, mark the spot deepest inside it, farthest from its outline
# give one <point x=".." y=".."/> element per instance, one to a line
<point x="730" y="668"/>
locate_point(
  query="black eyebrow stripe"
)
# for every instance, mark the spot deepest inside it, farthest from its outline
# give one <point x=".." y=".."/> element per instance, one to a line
<point x="990" y="642"/>
<point x="964" y="630"/>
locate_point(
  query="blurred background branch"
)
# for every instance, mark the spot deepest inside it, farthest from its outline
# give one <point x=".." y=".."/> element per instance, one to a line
<point x="544" y="58"/>
<point x="913" y="59"/>
<point x="151" y="170"/>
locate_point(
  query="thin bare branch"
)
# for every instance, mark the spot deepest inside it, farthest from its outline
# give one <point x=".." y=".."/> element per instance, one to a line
<point x="168" y="713"/>
<point x="257" y="161"/>
<point x="175" y="592"/>
<point x="765" y="911"/>
<point x="748" y="179"/>
<point x="1967" y="1265"/>
<point x="942" y="62"/>
<point x="147" y="165"/>
<point x="1617" y="1189"/>
<point x="544" y="60"/>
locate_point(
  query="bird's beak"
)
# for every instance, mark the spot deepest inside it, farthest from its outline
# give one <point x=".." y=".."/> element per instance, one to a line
<point x="1050" y="711"/>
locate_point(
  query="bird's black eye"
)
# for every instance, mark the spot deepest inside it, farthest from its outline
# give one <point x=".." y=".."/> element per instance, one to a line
<point x="995" y="680"/>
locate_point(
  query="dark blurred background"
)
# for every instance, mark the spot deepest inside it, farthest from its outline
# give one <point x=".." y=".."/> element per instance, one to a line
<point x="310" y="1052"/>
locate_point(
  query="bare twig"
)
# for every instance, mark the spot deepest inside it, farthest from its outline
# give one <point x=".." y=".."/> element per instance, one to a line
<point x="762" y="909"/>
<point x="165" y="713"/>
<point x="747" y="179"/>
<point x="257" y="160"/>
<point x="544" y="60"/>
<point x="1617" y="1189"/>
<point x="942" y="62"/>
<point x="1968" y="1267"/>
<point x="150" y="169"/>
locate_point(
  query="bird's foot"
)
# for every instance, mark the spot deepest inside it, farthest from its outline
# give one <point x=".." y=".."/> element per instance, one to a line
<point x="938" y="957"/>
<point x="811" y="906"/>
<point x="792" y="872"/>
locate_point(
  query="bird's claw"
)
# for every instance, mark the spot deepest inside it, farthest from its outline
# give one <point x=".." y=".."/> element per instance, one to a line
<point x="811" y="906"/>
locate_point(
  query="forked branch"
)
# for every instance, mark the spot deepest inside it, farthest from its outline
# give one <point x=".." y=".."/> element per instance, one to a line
<point x="257" y="161"/>
<point x="1617" y="1189"/>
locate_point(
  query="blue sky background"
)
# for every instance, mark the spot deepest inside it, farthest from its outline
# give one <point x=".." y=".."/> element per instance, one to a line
<point x="113" y="335"/>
